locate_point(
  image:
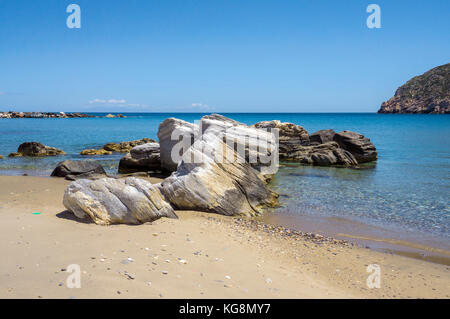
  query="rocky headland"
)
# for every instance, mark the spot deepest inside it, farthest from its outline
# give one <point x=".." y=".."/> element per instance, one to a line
<point x="426" y="93"/>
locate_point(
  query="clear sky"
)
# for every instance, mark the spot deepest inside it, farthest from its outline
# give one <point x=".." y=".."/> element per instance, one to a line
<point x="215" y="55"/>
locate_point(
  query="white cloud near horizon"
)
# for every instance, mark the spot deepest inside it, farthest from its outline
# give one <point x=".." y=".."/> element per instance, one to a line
<point x="202" y="106"/>
<point x="115" y="103"/>
<point x="110" y="101"/>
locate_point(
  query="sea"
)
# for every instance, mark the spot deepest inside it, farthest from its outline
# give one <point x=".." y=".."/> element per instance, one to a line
<point x="400" y="203"/>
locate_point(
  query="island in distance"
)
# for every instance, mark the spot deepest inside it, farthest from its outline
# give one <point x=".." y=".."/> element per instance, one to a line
<point x="426" y="93"/>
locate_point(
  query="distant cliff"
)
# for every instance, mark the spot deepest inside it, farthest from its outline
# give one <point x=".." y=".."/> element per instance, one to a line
<point x="426" y="93"/>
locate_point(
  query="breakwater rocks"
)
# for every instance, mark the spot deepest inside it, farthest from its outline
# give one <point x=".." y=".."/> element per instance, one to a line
<point x="37" y="115"/>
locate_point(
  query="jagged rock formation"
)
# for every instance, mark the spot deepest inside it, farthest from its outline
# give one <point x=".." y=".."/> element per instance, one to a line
<point x="359" y="146"/>
<point x="327" y="154"/>
<point x="426" y="93"/>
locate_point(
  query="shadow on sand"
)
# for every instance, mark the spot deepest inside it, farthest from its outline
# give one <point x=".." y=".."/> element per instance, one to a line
<point x="69" y="216"/>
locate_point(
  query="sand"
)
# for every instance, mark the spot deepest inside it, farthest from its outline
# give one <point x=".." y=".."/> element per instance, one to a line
<point x="222" y="257"/>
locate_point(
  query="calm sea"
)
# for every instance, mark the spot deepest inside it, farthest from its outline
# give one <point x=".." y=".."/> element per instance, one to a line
<point x="407" y="191"/>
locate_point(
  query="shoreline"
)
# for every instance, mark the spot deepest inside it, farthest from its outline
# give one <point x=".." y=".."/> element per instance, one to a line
<point x="359" y="233"/>
<point x="258" y="258"/>
<point x="364" y="235"/>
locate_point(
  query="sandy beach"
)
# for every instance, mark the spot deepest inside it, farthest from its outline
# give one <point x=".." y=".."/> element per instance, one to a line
<point x="199" y="255"/>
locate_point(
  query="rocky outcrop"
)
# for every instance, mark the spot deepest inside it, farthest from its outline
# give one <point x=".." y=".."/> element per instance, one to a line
<point x="359" y="146"/>
<point x="125" y="147"/>
<point x="116" y="201"/>
<point x="322" y="136"/>
<point x="327" y="154"/>
<point x="170" y="132"/>
<point x="290" y="135"/>
<point x="79" y="169"/>
<point x="141" y="158"/>
<point x="95" y="152"/>
<point x="207" y="180"/>
<point x="427" y="93"/>
<point x="36" y="149"/>
<point x="257" y="146"/>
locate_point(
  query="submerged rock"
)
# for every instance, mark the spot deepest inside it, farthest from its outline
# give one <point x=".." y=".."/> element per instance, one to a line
<point x="208" y="180"/>
<point x="36" y="149"/>
<point x="117" y="201"/>
<point x="361" y="147"/>
<point x="141" y="158"/>
<point x="81" y="169"/>
<point x="124" y="147"/>
<point x="95" y="152"/>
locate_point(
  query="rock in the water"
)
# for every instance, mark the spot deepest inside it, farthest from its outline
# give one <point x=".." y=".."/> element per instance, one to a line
<point x="322" y="136"/>
<point x="115" y="116"/>
<point x="360" y="147"/>
<point x="170" y="132"/>
<point x="71" y="169"/>
<point x="95" y="152"/>
<point x="36" y="149"/>
<point x="426" y="93"/>
<point x="124" y="147"/>
<point x="208" y="180"/>
<point x="290" y="135"/>
<point x="327" y="154"/>
<point x="141" y="158"/>
<point x="15" y="154"/>
<point x="116" y="201"/>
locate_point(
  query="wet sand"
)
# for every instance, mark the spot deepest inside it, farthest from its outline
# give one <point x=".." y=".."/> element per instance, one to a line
<point x="365" y="235"/>
<point x="197" y="256"/>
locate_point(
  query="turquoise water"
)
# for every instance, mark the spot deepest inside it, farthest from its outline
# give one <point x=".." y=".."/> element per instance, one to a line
<point x="407" y="190"/>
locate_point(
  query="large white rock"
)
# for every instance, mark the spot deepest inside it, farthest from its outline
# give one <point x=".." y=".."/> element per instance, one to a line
<point x="116" y="201"/>
<point x="259" y="147"/>
<point x="212" y="177"/>
<point x="170" y="132"/>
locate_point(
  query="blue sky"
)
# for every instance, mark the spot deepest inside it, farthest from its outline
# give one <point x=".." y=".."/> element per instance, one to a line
<point x="221" y="56"/>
